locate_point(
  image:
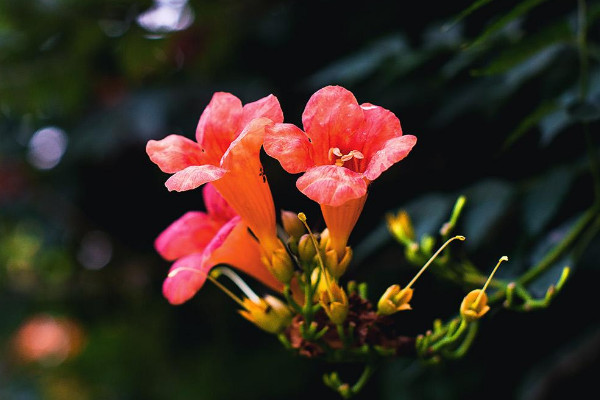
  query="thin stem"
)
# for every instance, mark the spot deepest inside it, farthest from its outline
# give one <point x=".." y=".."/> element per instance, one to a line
<point x="302" y="218"/>
<point x="363" y="379"/>
<point x="560" y="248"/>
<point x="431" y="260"/>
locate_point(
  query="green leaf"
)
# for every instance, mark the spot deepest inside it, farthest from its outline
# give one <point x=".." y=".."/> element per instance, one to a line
<point x="521" y="9"/>
<point x="544" y="198"/>
<point x="528" y="47"/>
<point x="489" y="201"/>
<point x="465" y="13"/>
<point x="530" y="121"/>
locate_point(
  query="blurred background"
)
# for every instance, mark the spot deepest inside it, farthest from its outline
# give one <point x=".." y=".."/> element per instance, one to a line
<point x="500" y="96"/>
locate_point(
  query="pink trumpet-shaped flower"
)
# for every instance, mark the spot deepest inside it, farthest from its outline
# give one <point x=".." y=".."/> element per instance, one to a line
<point x="226" y="152"/>
<point x="200" y="240"/>
<point x="344" y="146"/>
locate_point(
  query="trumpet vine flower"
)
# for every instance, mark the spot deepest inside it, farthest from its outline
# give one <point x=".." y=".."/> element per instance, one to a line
<point x="200" y="240"/>
<point x="226" y="152"/>
<point x="343" y="148"/>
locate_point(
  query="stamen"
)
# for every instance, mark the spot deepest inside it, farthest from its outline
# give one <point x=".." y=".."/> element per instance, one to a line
<point x="239" y="282"/>
<point x="480" y="295"/>
<point x="302" y="217"/>
<point x="433" y="258"/>
<point x="334" y="151"/>
<point x="353" y="154"/>
<point x="213" y="280"/>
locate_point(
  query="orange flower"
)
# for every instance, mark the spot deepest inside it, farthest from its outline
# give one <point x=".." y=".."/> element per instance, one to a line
<point x="344" y="147"/>
<point x="229" y="137"/>
<point x="198" y="241"/>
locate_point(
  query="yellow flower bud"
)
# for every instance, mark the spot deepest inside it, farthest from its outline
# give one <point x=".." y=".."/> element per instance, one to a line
<point x="281" y="265"/>
<point x="291" y="224"/>
<point x="335" y="267"/>
<point x="401" y="227"/>
<point x="394" y="299"/>
<point x="335" y="303"/>
<point x="269" y="314"/>
<point x="306" y="249"/>
<point x="474" y="305"/>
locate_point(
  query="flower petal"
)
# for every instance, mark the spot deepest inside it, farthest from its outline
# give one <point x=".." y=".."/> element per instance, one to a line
<point x="216" y="205"/>
<point x="331" y="185"/>
<point x="188" y="234"/>
<point x="266" y="107"/>
<point x="219" y="123"/>
<point x="331" y="118"/>
<point x="174" y="153"/>
<point x="290" y="146"/>
<point x="246" y="147"/>
<point x="194" y="176"/>
<point x="185" y="278"/>
<point x="393" y="151"/>
<point x="380" y="126"/>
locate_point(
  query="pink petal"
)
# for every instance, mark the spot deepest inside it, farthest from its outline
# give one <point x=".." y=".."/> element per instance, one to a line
<point x="290" y="146"/>
<point x="185" y="278"/>
<point x="267" y="107"/>
<point x="188" y="274"/>
<point x="246" y="146"/>
<point x="174" y="153"/>
<point x="393" y="151"/>
<point x="219" y="123"/>
<point x="331" y="117"/>
<point x="216" y="205"/>
<point x="380" y="126"/>
<point x="188" y="234"/>
<point x="192" y="177"/>
<point x="332" y="185"/>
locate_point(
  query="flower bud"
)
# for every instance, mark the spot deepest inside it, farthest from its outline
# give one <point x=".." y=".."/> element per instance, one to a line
<point x="281" y="266"/>
<point x="401" y="227"/>
<point x="335" y="303"/>
<point x="335" y="267"/>
<point x="394" y="299"/>
<point x="291" y="224"/>
<point x="324" y="239"/>
<point x="269" y="314"/>
<point x="474" y="305"/>
<point x="306" y="249"/>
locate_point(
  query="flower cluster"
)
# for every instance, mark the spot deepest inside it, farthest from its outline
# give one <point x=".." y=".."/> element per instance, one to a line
<point x="341" y="149"/>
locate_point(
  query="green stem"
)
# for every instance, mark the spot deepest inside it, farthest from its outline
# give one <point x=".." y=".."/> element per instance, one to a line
<point x="363" y="379"/>
<point x="552" y="256"/>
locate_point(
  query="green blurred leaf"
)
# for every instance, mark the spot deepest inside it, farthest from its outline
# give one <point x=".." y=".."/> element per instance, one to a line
<point x="530" y="121"/>
<point x="476" y="5"/>
<point x="489" y="201"/>
<point x="544" y="197"/>
<point x="527" y="48"/>
<point x="521" y="9"/>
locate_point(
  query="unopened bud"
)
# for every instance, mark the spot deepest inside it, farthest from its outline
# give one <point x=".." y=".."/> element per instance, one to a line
<point x="281" y="266"/>
<point x="291" y="224"/>
<point x="394" y="299"/>
<point x="306" y="249"/>
<point x="324" y="239"/>
<point x="474" y="305"/>
<point x="335" y="303"/>
<point x="336" y="266"/>
<point x="269" y="314"/>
